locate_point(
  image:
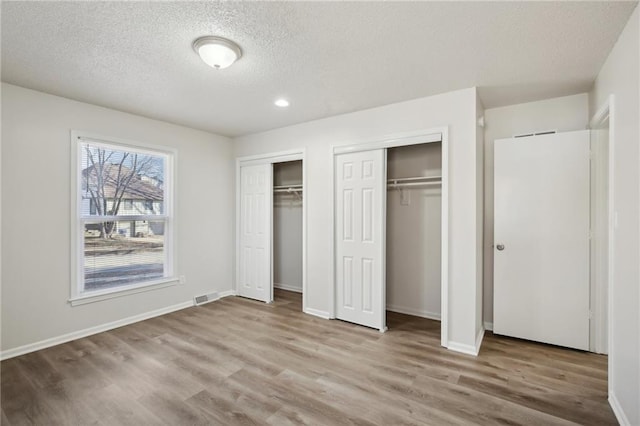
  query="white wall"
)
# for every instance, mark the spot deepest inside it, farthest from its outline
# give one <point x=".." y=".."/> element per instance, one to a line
<point x="414" y="233"/>
<point x="36" y="170"/>
<point x="287" y="228"/>
<point x="562" y="114"/>
<point x="479" y="147"/>
<point x="619" y="76"/>
<point x="455" y="110"/>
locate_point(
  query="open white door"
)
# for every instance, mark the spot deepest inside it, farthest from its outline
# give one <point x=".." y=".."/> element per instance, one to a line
<point x="541" y="262"/>
<point x="360" y="229"/>
<point x="254" y="280"/>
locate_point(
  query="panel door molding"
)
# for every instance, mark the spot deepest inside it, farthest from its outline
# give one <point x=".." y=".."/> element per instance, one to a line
<point x="254" y="280"/>
<point x="360" y="248"/>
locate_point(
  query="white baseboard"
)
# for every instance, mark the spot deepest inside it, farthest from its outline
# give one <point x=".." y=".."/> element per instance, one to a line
<point x="317" y="313"/>
<point x="468" y="349"/>
<point x="617" y="410"/>
<point x="287" y="287"/>
<point x="479" y="338"/>
<point x="53" y="341"/>
<point x="488" y="326"/>
<point x="226" y="294"/>
<point x="414" y="312"/>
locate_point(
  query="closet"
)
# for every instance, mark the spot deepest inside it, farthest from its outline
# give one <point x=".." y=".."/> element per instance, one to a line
<point x="287" y="226"/>
<point x="270" y="227"/>
<point x="389" y="231"/>
<point x="413" y="234"/>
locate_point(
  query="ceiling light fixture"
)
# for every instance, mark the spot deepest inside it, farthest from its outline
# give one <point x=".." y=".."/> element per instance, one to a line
<point x="282" y="103"/>
<point x="217" y="52"/>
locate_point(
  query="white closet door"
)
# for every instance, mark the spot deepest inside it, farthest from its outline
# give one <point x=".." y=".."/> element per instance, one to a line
<point x="255" y="232"/>
<point x="360" y="251"/>
<point x="541" y="235"/>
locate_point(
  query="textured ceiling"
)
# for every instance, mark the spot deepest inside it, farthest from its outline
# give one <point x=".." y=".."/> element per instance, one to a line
<point x="326" y="57"/>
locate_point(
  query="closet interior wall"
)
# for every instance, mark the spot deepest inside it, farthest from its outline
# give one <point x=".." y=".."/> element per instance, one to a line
<point x="413" y="248"/>
<point x="287" y="226"/>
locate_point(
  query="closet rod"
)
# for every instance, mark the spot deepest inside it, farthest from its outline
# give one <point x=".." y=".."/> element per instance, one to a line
<point x="287" y="187"/>
<point x="415" y="179"/>
<point x="404" y="185"/>
<point x="287" y="190"/>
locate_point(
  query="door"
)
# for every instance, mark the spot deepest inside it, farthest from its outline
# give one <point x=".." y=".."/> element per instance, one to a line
<point x="254" y="280"/>
<point x="541" y="235"/>
<point x="360" y="229"/>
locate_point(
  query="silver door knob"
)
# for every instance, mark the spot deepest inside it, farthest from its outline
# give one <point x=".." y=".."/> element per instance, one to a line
<point x="500" y="247"/>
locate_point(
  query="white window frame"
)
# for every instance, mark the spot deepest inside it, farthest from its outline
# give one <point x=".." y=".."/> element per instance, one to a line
<point x="78" y="295"/>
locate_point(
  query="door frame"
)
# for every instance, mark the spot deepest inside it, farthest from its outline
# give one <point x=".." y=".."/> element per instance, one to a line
<point x="436" y="134"/>
<point x="272" y="158"/>
<point x="605" y="112"/>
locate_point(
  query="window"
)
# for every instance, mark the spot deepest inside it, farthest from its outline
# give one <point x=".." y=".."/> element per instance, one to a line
<point x="118" y="247"/>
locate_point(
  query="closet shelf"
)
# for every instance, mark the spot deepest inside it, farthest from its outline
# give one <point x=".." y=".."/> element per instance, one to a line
<point x="414" y="181"/>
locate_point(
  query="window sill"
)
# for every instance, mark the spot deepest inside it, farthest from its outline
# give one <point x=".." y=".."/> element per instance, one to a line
<point x="97" y="296"/>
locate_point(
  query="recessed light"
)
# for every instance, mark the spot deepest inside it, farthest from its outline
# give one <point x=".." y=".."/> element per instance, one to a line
<point x="217" y="52"/>
<point x="282" y="103"/>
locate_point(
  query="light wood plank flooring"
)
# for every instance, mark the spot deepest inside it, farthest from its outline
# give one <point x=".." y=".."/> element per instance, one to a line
<point x="236" y="361"/>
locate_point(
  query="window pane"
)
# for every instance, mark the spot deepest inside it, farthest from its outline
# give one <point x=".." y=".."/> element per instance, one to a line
<point x="119" y="182"/>
<point x="122" y="253"/>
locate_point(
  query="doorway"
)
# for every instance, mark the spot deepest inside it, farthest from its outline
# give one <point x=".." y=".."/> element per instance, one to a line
<point x="361" y="262"/>
<point x="270" y="225"/>
<point x="288" y="198"/>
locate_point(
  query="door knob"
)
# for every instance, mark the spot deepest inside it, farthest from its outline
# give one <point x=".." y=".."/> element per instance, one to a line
<point x="500" y="247"/>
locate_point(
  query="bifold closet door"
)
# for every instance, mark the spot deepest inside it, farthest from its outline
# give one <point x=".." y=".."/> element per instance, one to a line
<point x="254" y="280"/>
<point x="541" y="235"/>
<point x="360" y="252"/>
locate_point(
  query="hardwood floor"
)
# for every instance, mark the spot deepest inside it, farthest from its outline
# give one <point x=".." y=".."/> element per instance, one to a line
<point x="236" y="361"/>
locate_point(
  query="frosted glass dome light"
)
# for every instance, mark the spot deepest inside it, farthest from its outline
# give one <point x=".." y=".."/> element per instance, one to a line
<point x="217" y="52"/>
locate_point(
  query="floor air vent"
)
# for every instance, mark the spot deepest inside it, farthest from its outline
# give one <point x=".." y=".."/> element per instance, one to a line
<point x="205" y="298"/>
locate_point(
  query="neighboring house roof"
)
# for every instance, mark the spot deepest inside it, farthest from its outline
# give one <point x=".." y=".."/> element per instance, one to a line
<point x="115" y="176"/>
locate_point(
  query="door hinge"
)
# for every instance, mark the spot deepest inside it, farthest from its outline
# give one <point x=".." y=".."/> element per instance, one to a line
<point x="590" y="314"/>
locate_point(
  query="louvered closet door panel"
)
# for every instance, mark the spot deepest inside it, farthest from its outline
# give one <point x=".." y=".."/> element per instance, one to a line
<point x="255" y="232"/>
<point x="360" y="202"/>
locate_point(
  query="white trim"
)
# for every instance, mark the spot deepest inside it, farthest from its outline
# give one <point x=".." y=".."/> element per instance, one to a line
<point x="226" y="293"/>
<point x="617" y="410"/>
<point x="607" y="111"/>
<point x="444" y="250"/>
<point x="479" y="339"/>
<point x="287" y="287"/>
<point x="383" y="290"/>
<point x="77" y="296"/>
<point x="392" y="141"/>
<point x="317" y="313"/>
<point x="272" y="158"/>
<point x="468" y="349"/>
<point x="415" y="312"/>
<point x="462" y="348"/>
<point x="112" y="293"/>
<point x="612" y="245"/>
<point x="438" y="134"/>
<point x="602" y="114"/>
<point x="332" y="248"/>
<point x="53" y="341"/>
<point x="488" y="326"/>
